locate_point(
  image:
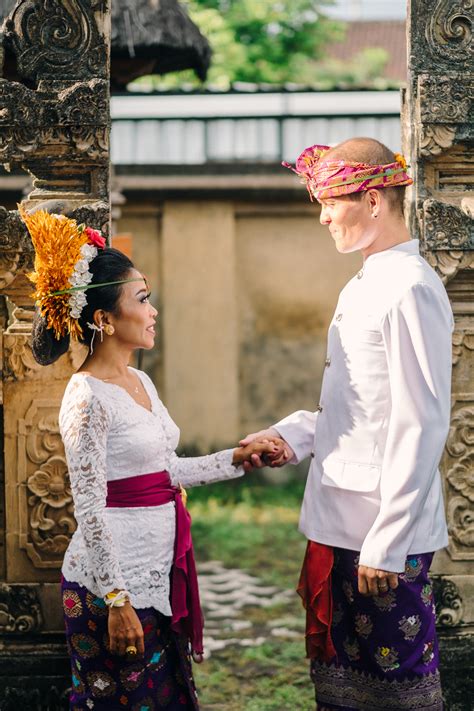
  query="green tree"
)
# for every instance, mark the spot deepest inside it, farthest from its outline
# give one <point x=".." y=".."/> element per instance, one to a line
<point x="262" y="41"/>
<point x="366" y="69"/>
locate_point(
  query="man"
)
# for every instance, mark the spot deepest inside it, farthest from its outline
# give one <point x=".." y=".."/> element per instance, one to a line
<point x="373" y="510"/>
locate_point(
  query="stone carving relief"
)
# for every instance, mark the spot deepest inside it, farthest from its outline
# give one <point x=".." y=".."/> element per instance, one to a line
<point x="449" y="31"/>
<point x="46" y="514"/>
<point x="462" y="341"/>
<point x="45" y="131"/>
<point x="445" y="99"/>
<point x="446" y="227"/>
<point x="449" y="607"/>
<point x="16" y="250"/>
<point x="65" y="116"/>
<point x="49" y="37"/>
<point x="435" y="139"/>
<point x="18" y="361"/>
<point x="460" y="482"/>
<point x="448" y="263"/>
<point x="53" y="699"/>
<point x="20" y="610"/>
<point x="51" y="517"/>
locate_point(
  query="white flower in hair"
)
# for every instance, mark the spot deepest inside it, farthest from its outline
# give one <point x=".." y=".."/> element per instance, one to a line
<point x="81" y="279"/>
<point x="81" y="276"/>
<point x="82" y="266"/>
<point x="77" y="302"/>
<point x="88" y="251"/>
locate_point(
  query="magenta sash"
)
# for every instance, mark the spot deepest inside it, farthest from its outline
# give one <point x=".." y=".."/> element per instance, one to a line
<point x="155" y="490"/>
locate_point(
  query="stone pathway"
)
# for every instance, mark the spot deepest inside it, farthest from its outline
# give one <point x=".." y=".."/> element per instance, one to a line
<point x="225" y="593"/>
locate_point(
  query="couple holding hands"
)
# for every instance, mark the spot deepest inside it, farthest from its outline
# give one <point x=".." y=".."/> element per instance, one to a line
<point x="372" y="511"/>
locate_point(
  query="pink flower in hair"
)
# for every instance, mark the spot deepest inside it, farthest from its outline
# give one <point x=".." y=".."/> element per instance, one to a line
<point x="95" y="237"/>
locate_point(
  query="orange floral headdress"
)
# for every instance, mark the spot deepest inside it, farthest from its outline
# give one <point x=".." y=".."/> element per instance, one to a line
<point x="63" y="252"/>
<point x="333" y="178"/>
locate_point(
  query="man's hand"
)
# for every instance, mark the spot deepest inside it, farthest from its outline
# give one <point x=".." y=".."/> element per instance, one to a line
<point x="373" y="581"/>
<point x="258" y="462"/>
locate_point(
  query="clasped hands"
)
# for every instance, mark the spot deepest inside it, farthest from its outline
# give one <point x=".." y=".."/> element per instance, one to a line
<point x="261" y="449"/>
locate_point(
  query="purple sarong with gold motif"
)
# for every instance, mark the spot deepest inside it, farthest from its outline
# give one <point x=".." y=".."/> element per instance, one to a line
<point x="102" y="681"/>
<point x="386" y="646"/>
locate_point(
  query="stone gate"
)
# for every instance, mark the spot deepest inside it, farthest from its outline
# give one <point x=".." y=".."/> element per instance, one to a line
<point x="54" y="123"/>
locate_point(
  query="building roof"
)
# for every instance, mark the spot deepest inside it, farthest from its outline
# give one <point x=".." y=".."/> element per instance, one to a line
<point x="387" y="34"/>
<point x="204" y="129"/>
<point x="155" y="37"/>
<point x="353" y="10"/>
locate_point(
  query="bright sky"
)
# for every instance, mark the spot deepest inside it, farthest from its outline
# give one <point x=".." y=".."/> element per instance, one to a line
<point x="368" y="9"/>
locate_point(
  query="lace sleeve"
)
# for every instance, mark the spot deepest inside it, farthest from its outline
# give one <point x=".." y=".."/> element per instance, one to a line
<point x="84" y="425"/>
<point x="196" y="471"/>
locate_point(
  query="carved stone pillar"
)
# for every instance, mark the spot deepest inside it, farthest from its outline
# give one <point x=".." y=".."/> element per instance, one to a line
<point x="439" y="138"/>
<point x="54" y="123"/>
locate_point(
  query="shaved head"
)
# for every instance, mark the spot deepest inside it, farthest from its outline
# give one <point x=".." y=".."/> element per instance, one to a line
<point x="372" y="152"/>
<point x="361" y="150"/>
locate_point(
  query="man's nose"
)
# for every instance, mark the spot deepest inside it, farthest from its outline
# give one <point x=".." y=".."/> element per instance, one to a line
<point x="324" y="218"/>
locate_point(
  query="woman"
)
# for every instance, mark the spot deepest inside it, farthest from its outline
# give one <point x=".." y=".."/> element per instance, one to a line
<point x="130" y="596"/>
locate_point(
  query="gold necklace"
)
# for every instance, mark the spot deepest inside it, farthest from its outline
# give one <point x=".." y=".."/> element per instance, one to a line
<point x="135" y="388"/>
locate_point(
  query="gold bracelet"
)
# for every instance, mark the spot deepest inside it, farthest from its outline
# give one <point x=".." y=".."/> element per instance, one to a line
<point x="116" y="599"/>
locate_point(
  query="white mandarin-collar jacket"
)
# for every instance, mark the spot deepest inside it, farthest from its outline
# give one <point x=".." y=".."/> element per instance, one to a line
<point x="378" y="433"/>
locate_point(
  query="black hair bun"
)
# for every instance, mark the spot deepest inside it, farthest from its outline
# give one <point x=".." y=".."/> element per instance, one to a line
<point x="45" y="346"/>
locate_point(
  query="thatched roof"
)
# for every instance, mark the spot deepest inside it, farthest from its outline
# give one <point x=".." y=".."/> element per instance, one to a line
<point x="148" y="37"/>
<point x="155" y="37"/>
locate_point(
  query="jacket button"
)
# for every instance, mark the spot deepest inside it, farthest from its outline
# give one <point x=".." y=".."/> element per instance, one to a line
<point x="327" y="362"/>
<point x="319" y="408"/>
<point x="312" y="455"/>
<point x="360" y="274"/>
<point x="338" y="317"/>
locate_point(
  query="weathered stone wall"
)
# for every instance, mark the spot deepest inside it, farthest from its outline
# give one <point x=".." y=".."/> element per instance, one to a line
<point x="54" y="124"/>
<point x="439" y="138"/>
<point x="245" y="293"/>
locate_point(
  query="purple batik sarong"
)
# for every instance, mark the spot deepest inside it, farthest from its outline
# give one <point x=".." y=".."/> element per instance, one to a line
<point x="102" y="681"/>
<point x="386" y="646"/>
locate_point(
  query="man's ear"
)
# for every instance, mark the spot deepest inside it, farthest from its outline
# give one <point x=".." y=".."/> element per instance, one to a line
<point x="374" y="199"/>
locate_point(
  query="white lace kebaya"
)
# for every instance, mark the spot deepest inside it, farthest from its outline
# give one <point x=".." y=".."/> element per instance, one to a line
<point x="108" y="436"/>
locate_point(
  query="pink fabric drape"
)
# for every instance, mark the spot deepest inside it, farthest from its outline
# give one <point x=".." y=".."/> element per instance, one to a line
<point x="155" y="489"/>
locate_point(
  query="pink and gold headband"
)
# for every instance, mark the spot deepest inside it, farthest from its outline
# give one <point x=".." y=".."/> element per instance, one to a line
<point x="333" y="178"/>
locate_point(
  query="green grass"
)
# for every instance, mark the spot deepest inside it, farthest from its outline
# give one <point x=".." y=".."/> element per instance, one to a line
<point x="253" y="526"/>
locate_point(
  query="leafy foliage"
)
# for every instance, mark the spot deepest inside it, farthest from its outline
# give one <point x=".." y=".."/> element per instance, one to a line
<point x="269" y="41"/>
<point x="365" y="70"/>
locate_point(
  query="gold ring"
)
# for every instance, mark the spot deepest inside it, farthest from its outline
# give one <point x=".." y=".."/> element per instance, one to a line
<point x="131" y="650"/>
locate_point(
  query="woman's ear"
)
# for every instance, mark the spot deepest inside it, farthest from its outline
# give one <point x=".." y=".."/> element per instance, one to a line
<point x="99" y="318"/>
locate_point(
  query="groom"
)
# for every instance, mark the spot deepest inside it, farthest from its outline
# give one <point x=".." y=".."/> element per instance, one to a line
<point x="373" y="509"/>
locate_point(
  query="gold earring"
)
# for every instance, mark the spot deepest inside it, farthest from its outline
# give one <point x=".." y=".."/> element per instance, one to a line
<point x="109" y="329"/>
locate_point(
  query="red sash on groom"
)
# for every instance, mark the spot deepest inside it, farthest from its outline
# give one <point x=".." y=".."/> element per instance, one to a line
<point x="315" y="589"/>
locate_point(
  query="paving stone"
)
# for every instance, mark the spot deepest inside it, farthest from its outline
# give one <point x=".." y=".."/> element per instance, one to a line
<point x="225" y="593"/>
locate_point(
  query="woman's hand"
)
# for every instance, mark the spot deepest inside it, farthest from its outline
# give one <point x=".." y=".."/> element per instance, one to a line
<point x="268" y="450"/>
<point x="125" y="630"/>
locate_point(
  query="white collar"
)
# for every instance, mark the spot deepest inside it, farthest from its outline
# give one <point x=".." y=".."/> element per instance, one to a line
<point x="410" y="247"/>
